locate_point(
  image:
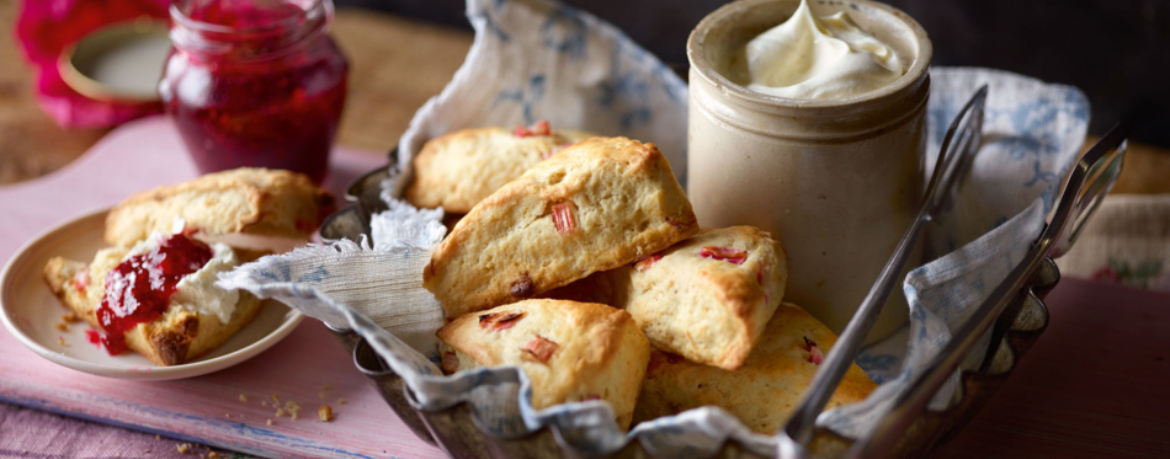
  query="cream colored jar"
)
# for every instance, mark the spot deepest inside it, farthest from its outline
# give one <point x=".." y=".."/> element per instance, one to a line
<point x="837" y="180"/>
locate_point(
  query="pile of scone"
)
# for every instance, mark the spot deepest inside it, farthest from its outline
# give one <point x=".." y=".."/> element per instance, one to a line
<point x="580" y="260"/>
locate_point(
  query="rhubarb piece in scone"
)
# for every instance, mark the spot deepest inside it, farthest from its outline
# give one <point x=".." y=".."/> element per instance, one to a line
<point x="571" y="351"/>
<point x="157" y="298"/>
<point x="595" y="206"/>
<point x="763" y="392"/>
<point x="248" y="201"/>
<point x="458" y="170"/>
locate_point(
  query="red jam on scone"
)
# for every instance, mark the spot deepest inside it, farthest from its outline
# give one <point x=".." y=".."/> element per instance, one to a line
<point x="140" y="288"/>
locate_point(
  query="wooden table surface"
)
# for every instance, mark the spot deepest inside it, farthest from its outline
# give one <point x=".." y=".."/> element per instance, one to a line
<point x="397" y="64"/>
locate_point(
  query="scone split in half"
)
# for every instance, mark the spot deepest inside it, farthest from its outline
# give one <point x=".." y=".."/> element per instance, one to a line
<point x="247" y="201"/>
<point x="154" y="292"/>
<point x="763" y="392"/>
<point x="156" y="298"/>
<point x="570" y="351"/>
<point x="595" y="206"/>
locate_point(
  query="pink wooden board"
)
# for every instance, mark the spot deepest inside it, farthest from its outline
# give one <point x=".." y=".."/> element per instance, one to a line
<point x="206" y="409"/>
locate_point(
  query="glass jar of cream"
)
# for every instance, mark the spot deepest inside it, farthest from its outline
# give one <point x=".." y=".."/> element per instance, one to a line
<point x="809" y="121"/>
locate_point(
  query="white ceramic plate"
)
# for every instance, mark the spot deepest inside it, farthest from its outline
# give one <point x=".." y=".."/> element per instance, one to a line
<point x="30" y="311"/>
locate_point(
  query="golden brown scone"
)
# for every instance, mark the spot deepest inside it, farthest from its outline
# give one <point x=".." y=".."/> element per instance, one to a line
<point x="571" y="351"/>
<point x="597" y="205"/>
<point x="458" y="170"/>
<point x="707" y="298"/>
<point x="177" y="337"/>
<point x="764" y="391"/>
<point x="266" y="202"/>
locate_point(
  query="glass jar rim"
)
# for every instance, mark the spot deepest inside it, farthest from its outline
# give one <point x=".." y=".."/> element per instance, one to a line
<point x="186" y="21"/>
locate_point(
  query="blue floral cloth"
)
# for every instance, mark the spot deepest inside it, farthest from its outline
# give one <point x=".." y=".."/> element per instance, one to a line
<point x="533" y="61"/>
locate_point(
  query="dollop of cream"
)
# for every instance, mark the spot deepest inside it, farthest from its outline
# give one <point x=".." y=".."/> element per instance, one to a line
<point x="819" y="58"/>
<point x="197" y="291"/>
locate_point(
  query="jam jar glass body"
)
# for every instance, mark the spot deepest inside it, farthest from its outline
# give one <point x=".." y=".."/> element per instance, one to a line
<point x="255" y="83"/>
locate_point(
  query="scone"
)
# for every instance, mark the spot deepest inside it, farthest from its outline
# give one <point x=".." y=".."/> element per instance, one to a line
<point x="595" y="206"/>
<point x="255" y="201"/>
<point x="765" y="390"/>
<point x="707" y="298"/>
<point x="571" y="351"/>
<point x="154" y="292"/>
<point x="177" y="335"/>
<point x="458" y="170"/>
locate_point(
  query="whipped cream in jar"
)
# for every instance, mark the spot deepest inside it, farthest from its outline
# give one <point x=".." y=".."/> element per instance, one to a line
<point x="809" y="120"/>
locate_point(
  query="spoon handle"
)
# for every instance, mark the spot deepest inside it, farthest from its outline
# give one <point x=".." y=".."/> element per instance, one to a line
<point x="961" y="142"/>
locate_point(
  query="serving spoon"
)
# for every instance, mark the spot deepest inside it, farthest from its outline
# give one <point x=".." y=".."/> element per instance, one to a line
<point x="1091" y="178"/>
<point x="958" y="148"/>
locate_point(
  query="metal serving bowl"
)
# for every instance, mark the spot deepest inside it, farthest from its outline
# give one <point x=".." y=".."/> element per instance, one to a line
<point x="457" y="432"/>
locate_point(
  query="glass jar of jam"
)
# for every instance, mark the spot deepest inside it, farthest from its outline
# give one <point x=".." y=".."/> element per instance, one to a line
<point x="255" y="83"/>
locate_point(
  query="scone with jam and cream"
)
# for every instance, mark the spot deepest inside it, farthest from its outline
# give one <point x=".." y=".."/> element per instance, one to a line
<point x="154" y="292"/>
<point x="571" y="351"/>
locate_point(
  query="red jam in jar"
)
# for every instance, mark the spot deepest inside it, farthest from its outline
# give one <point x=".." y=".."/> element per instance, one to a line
<point x="255" y="83"/>
<point x="139" y="289"/>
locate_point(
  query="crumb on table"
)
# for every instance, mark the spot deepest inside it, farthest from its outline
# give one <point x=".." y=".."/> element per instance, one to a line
<point x="269" y="422"/>
<point x="341" y="401"/>
<point x="292" y="408"/>
<point x="243" y="398"/>
<point x="183" y="448"/>
<point x="325" y="413"/>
